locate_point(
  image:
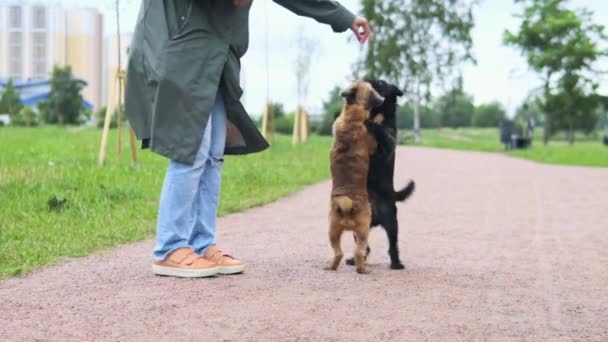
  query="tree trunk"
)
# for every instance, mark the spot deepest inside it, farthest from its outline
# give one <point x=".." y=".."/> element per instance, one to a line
<point x="417" y="136"/>
<point x="546" y="125"/>
<point x="571" y="134"/>
<point x="546" y="128"/>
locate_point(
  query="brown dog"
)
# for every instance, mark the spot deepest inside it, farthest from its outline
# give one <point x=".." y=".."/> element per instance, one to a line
<point x="350" y="209"/>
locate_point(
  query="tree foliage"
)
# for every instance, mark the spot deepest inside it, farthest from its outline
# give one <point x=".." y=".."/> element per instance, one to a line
<point x="10" y="101"/>
<point x="562" y="45"/>
<point x="25" y="117"/>
<point x="429" y="118"/>
<point x="65" y="104"/>
<point x="455" y="107"/>
<point x="417" y="42"/>
<point x="488" y="115"/>
<point x="331" y="108"/>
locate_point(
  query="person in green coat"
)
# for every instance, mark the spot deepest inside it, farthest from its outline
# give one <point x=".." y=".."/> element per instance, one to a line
<point x="183" y="101"/>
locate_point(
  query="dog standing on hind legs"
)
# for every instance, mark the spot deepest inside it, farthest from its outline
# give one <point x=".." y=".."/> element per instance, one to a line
<point x="353" y="145"/>
<point x="380" y="186"/>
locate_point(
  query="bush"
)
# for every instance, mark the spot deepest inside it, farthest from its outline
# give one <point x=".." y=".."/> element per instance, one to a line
<point x="100" y="115"/>
<point x="284" y="124"/>
<point x="26" y="117"/>
<point x="488" y="115"/>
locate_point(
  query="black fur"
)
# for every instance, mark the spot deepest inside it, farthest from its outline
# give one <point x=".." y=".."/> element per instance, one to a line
<point x="380" y="187"/>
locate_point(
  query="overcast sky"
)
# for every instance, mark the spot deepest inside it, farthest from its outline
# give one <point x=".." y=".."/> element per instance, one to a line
<point x="500" y="74"/>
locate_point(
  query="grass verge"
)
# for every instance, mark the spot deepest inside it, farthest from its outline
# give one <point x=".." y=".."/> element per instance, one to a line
<point x="118" y="203"/>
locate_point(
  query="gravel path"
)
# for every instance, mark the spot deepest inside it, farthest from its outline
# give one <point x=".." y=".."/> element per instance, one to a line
<point x="495" y="249"/>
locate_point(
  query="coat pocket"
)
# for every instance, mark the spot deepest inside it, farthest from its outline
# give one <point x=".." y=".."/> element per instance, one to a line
<point x="177" y="13"/>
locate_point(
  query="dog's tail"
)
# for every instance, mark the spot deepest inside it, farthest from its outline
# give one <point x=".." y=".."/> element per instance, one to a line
<point x="406" y="192"/>
<point x="344" y="203"/>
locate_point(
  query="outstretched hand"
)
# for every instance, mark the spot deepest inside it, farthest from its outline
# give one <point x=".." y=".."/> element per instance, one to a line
<point x="361" y="29"/>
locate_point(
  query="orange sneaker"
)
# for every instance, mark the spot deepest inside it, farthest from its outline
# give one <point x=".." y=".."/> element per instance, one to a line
<point x="225" y="263"/>
<point x="185" y="263"/>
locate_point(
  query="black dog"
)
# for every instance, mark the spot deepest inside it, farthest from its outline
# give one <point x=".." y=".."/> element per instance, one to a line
<point x="380" y="187"/>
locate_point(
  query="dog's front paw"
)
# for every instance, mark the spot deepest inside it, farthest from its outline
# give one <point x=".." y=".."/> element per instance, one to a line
<point x="398" y="266"/>
<point x="350" y="261"/>
<point x="330" y="268"/>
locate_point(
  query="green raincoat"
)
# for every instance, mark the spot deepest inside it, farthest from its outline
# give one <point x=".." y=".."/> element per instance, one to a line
<point x="182" y="52"/>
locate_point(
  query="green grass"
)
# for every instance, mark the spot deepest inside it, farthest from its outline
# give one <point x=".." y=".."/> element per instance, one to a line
<point x="469" y="139"/>
<point x="118" y="203"/>
<point x="585" y="152"/>
<point x="581" y="153"/>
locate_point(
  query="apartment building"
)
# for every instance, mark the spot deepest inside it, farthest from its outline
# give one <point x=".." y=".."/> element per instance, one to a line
<point x="35" y="36"/>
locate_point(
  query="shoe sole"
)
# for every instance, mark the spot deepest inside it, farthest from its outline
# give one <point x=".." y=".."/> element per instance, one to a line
<point x="184" y="273"/>
<point x="231" y="269"/>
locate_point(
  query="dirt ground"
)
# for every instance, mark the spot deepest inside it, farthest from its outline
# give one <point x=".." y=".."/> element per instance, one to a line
<point x="495" y="248"/>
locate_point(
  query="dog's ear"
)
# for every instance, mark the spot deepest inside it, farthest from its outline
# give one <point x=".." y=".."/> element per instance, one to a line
<point x="349" y="94"/>
<point x="397" y="91"/>
<point x="377" y="99"/>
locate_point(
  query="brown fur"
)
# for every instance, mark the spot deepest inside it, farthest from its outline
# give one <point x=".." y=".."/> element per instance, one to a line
<point x="350" y="208"/>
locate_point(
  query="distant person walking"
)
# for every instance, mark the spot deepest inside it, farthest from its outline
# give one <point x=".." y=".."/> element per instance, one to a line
<point x="182" y="99"/>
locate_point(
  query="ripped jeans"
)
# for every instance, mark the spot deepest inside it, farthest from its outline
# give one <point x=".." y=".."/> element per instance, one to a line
<point x="189" y="199"/>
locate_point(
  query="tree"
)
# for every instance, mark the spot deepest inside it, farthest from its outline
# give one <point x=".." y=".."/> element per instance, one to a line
<point x="277" y="109"/>
<point x="429" y="118"/>
<point x="303" y="63"/>
<point x="573" y="108"/>
<point x="561" y="45"/>
<point x="488" y="115"/>
<point x="417" y="42"/>
<point x="455" y="108"/>
<point x="331" y="108"/>
<point x="64" y="105"/>
<point x="10" y="101"/>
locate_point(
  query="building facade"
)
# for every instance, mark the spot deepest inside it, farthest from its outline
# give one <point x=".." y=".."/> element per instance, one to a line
<point x="35" y="36"/>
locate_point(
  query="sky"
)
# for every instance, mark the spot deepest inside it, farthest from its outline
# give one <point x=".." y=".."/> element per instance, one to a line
<point x="501" y="74"/>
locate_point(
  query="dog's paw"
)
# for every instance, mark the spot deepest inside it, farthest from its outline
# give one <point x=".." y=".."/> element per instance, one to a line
<point x="363" y="270"/>
<point x="397" y="266"/>
<point x="379" y="119"/>
<point x="329" y="268"/>
<point x="350" y="261"/>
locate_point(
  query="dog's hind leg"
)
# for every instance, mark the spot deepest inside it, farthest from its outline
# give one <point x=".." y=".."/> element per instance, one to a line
<point x="335" y="234"/>
<point x="351" y="261"/>
<point x="392" y="231"/>
<point x="362" y="235"/>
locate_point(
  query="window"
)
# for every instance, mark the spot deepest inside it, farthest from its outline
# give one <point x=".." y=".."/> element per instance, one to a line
<point x="15" y="38"/>
<point x="39" y="51"/>
<point x="15" y="55"/>
<point x="40" y="70"/>
<point x="39" y="17"/>
<point x="15" y="69"/>
<point x="15" y="19"/>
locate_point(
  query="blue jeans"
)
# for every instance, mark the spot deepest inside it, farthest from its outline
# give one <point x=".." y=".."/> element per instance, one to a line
<point x="189" y="199"/>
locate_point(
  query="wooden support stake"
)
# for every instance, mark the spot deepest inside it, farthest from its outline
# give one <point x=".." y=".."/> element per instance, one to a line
<point x="133" y="145"/>
<point x="106" y="126"/>
<point x="296" y="126"/>
<point x="304" y="130"/>
<point x="115" y="104"/>
<point x="265" y="120"/>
